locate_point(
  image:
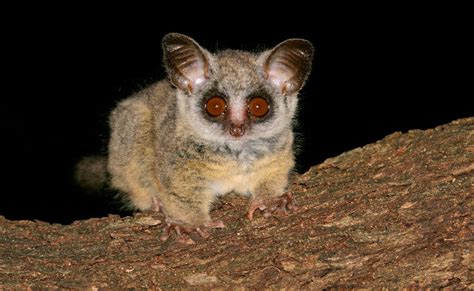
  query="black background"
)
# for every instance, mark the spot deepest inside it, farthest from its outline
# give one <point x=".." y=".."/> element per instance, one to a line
<point x="376" y="70"/>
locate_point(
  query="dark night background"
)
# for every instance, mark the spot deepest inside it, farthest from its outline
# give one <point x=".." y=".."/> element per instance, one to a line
<point x="376" y="70"/>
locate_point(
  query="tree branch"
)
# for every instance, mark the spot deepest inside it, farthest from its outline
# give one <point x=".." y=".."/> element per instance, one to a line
<point x="395" y="213"/>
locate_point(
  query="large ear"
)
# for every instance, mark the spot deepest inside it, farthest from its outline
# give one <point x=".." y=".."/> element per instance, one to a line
<point x="288" y="65"/>
<point x="185" y="61"/>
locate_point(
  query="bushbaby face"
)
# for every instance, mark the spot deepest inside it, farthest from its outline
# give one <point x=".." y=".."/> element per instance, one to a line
<point x="237" y="98"/>
<point x="238" y="105"/>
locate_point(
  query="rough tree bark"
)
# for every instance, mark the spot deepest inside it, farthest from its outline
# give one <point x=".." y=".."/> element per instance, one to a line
<point x="396" y="213"/>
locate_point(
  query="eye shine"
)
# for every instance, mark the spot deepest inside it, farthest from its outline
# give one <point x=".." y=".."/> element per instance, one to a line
<point x="258" y="107"/>
<point x="216" y="106"/>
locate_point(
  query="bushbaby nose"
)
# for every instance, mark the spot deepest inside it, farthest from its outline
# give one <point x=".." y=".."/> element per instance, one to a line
<point x="237" y="130"/>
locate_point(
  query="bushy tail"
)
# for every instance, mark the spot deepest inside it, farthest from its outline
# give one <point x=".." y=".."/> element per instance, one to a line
<point x="91" y="173"/>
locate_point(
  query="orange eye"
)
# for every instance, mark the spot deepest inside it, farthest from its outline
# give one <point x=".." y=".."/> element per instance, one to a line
<point x="258" y="107"/>
<point x="216" y="106"/>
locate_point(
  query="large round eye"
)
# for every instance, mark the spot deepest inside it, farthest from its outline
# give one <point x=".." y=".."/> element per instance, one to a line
<point x="216" y="106"/>
<point x="258" y="106"/>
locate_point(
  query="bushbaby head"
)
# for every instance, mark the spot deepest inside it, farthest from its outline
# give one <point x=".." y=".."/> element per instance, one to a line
<point x="233" y="97"/>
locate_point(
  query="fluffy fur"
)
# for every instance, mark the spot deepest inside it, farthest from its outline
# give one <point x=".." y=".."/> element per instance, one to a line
<point x="166" y="152"/>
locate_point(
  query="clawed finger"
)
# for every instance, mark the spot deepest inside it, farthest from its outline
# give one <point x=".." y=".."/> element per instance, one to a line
<point x="254" y="205"/>
<point x="183" y="232"/>
<point x="166" y="232"/>
<point x="214" y="224"/>
<point x="185" y="239"/>
<point x="203" y="232"/>
<point x="284" y="203"/>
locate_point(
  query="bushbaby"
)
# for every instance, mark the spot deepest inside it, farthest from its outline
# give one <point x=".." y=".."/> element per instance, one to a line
<point x="221" y="122"/>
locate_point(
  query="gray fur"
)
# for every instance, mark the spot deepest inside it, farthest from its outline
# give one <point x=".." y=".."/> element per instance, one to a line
<point x="165" y="148"/>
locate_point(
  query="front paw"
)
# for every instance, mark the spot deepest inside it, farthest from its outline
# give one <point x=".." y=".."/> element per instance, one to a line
<point x="183" y="232"/>
<point x="284" y="203"/>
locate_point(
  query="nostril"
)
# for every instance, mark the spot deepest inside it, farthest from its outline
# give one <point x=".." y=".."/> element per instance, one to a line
<point x="237" y="131"/>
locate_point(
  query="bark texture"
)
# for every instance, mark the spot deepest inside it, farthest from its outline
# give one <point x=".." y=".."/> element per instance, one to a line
<point x="395" y="213"/>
